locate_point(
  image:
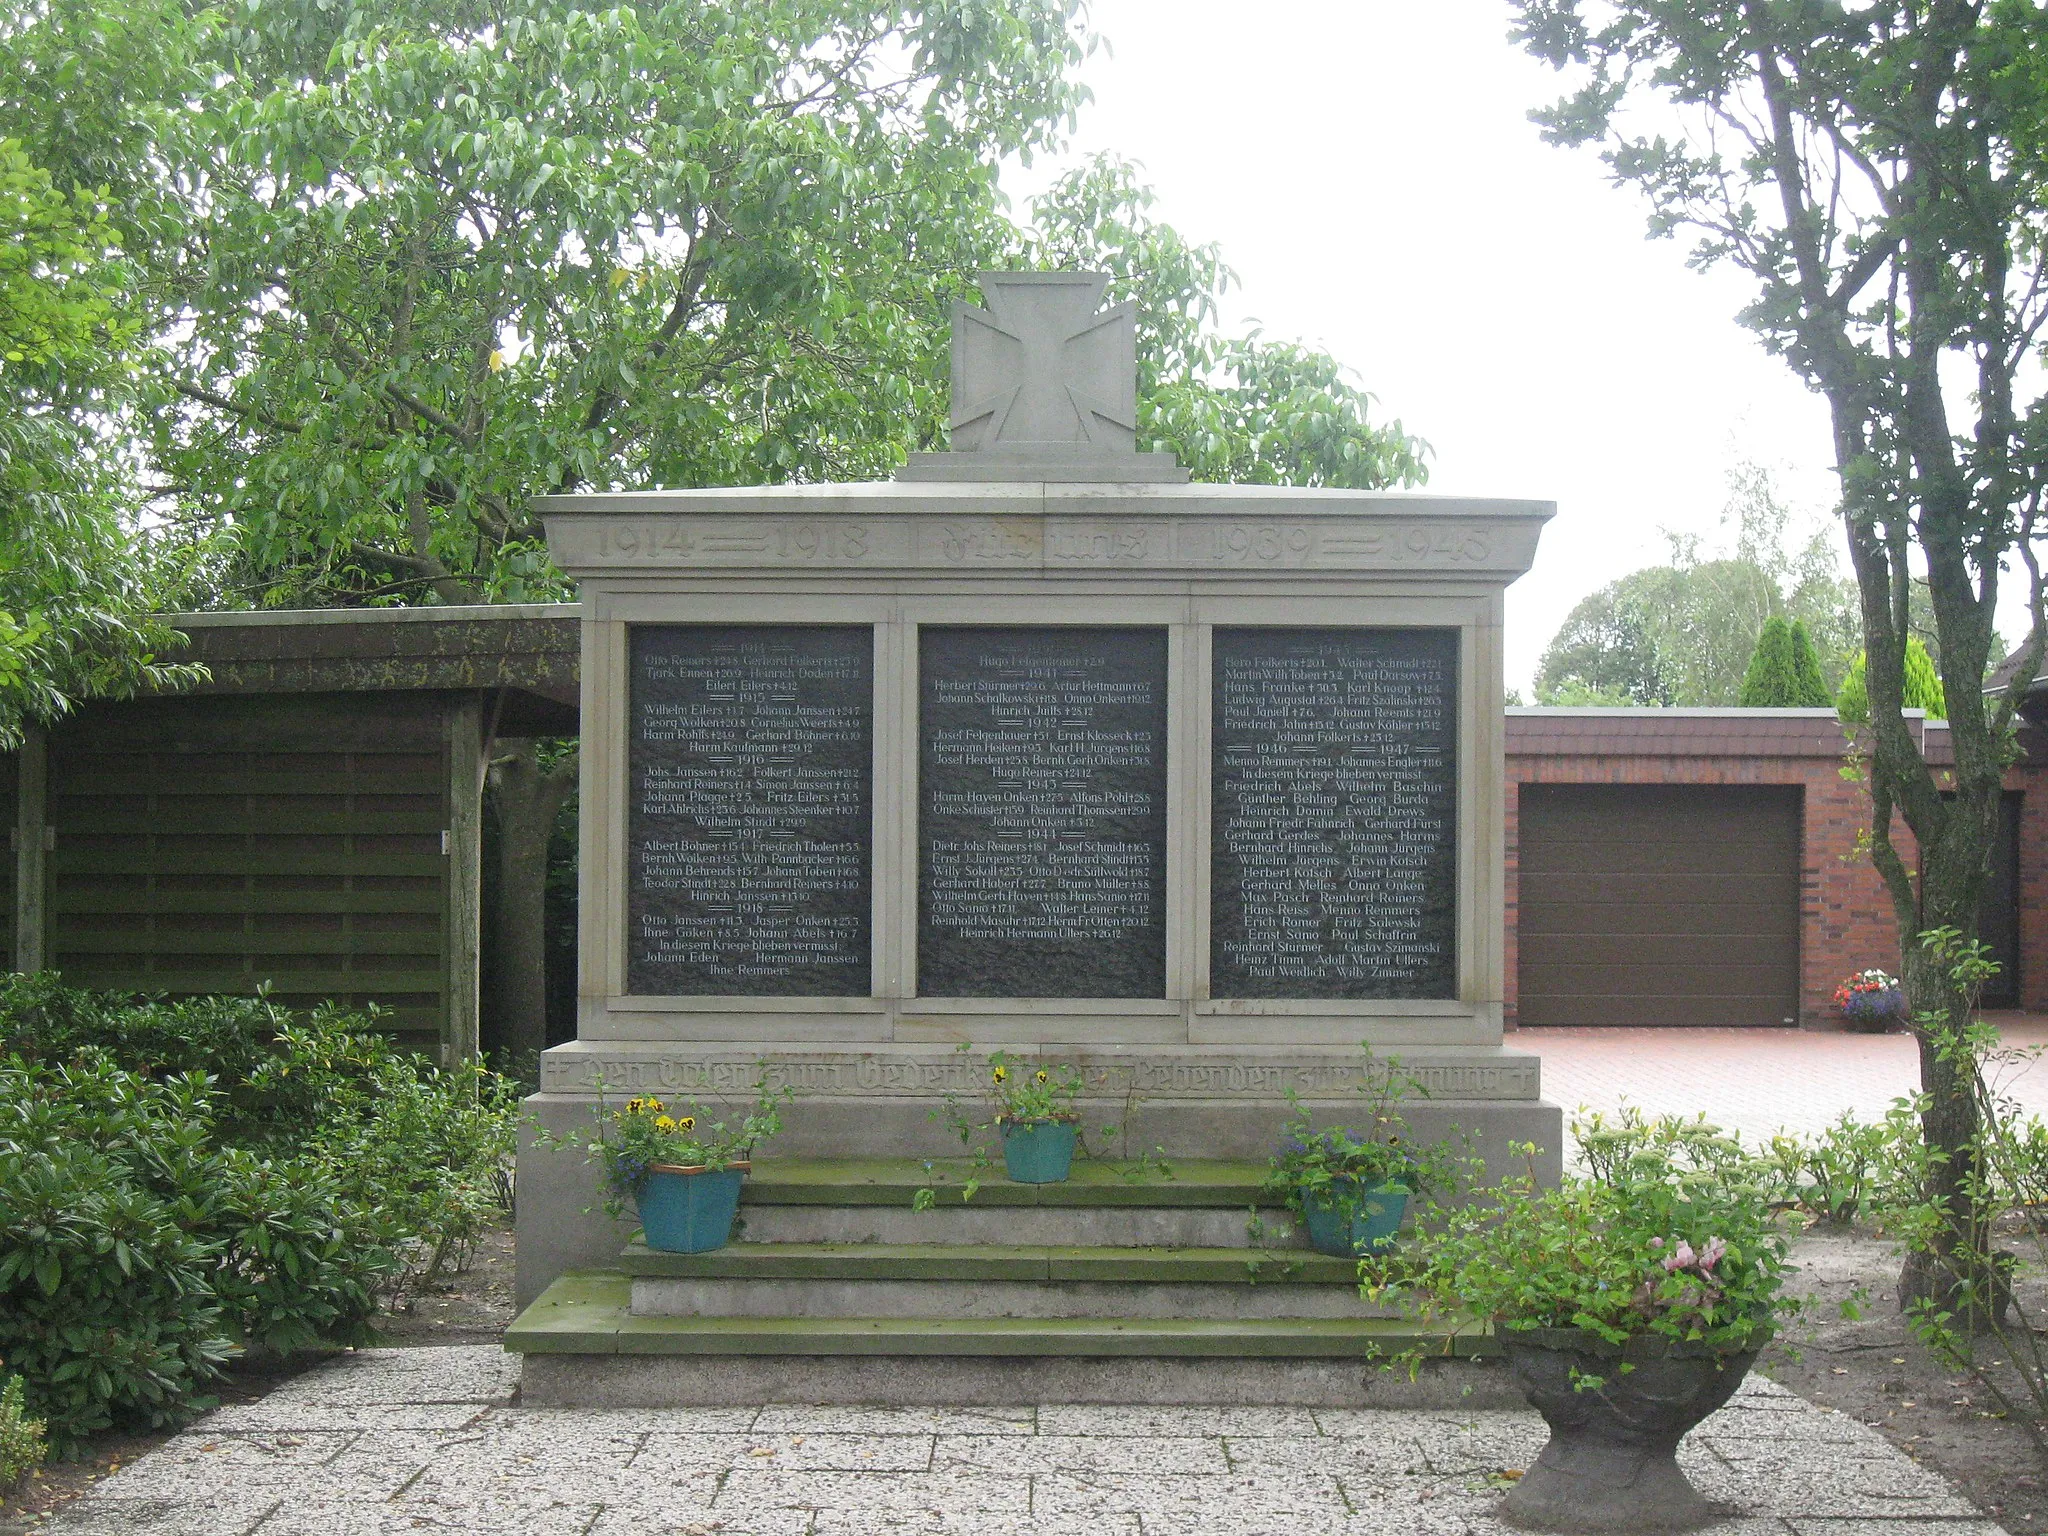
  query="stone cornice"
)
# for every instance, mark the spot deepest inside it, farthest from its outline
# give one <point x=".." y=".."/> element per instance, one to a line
<point x="1044" y="528"/>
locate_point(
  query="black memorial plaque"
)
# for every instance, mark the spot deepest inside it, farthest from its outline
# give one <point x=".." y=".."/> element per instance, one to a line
<point x="748" y="810"/>
<point x="1042" y="813"/>
<point x="1334" y="846"/>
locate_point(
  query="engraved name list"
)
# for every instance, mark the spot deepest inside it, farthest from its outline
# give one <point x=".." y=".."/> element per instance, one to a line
<point x="1042" y="816"/>
<point x="1335" y="813"/>
<point x="748" y="810"/>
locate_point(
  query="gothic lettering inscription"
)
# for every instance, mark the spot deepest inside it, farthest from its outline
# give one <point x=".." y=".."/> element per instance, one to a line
<point x="1012" y="541"/>
<point x="732" y="1077"/>
<point x="1042" y="813"/>
<point x="748" y="810"/>
<point x="1335" y="811"/>
<point x="1098" y="543"/>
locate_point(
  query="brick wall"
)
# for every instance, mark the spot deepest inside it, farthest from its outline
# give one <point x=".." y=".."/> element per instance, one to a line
<point x="1846" y="920"/>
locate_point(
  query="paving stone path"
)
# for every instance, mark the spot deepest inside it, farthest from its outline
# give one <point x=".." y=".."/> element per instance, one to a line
<point x="1756" y="1081"/>
<point x="428" y="1440"/>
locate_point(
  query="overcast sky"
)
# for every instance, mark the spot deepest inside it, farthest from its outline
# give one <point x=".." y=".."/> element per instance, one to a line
<point x="1369" y="169"/>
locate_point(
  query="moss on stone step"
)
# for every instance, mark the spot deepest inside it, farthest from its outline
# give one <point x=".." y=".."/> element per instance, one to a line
<point x="585" y="1313"/>
<point x="896" y="1181"/>
<point x="988" y="1261"/>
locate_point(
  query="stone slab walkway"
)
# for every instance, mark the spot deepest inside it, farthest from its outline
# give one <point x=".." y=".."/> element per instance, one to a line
<point x="1755" y="1081"/>
<point x="384" y="1442"/>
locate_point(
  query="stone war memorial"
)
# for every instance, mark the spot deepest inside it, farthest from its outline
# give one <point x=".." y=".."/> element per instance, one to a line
<point x="1040" y="748"/>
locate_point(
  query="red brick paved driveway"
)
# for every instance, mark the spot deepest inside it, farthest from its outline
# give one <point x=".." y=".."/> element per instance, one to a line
<point x="1755" y="1081"/>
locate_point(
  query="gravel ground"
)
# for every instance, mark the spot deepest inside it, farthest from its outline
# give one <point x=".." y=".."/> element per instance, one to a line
<point x="405" y="1440"/>
<point x="1874" y="1371"/>
<point x="473" y="1307"/>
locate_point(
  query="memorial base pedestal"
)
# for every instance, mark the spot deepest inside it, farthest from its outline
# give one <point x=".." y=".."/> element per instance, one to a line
<point x="891" y="1102"/>
<point x="1121" y="1285"/>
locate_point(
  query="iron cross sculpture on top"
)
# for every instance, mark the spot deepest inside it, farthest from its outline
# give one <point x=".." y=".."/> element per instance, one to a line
<point x="1045" y="386"/>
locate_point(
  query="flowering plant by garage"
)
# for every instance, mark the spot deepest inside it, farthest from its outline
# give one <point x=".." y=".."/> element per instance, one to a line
<point x="1871" y="1000"/>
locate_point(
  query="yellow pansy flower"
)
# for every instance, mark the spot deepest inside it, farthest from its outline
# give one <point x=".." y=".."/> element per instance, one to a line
<point x="664" y="1123"/>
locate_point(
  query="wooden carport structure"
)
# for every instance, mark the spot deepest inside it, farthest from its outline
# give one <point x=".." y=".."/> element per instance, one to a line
<point x="309" y="817"/>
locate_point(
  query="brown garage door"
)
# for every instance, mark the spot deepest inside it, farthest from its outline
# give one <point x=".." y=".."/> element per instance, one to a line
<point x="1659" y="904"/>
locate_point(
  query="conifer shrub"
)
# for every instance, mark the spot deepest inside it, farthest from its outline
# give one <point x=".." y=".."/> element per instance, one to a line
<point x="1810" y="689"/>
<point x="1771" y="680"/>
<point x="1923" y="689"/>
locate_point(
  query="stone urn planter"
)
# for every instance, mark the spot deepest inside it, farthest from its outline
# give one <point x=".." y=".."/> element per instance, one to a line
<point x="1611" y="1462"/>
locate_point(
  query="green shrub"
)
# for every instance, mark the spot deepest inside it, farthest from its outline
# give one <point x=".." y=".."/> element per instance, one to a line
<point x="300" y="1257"/>
<point x="2019" y="1167"/>
<point x="133" y="1250"/>
<point x="1770" y="681"/>
<point x="105" y="1304"/>
<point x="262" y="1180"/>
<point x="1850" y="1169"/>
<point x="21" y="1437"/>
<point x="1811" y="687"/>
<point x="1923" y="689"/>
<point x="1980" y="1307"/>
<point x="429" y="1151"/>
<point x="42" y="1020"/>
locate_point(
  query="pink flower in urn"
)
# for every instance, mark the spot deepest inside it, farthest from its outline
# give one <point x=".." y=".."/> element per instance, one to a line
<point x="1684" y="1256"/>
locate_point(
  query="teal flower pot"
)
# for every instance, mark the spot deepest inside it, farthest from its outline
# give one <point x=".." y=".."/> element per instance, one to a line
<point x="1350" y="1220"/>
<point x="689" y="1210"/>
<point x="1039" y="1151"/>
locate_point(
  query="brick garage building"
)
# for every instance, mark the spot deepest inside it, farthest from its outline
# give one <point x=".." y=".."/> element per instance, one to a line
<point x="1701" y="867"/>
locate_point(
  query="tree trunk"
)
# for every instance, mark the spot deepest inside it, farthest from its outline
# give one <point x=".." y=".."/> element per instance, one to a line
<point x="1948" y="1122"/>
<point x="527" y="799"/>
<point x="1957" y="1272"/>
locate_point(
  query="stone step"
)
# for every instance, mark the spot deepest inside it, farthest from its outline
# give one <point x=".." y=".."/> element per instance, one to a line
<point x="952" y="1223"/>
<point x="588" y="1312"/>
<point x="1195" y="1204"/>
<point x="992" y="1261"/>
<point x="1096" y="1184"/>
<point x="836" y="1280"/>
